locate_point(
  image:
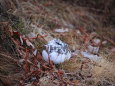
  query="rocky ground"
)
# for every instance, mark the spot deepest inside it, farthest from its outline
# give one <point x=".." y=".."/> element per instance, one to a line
<point x="26" y="26"/>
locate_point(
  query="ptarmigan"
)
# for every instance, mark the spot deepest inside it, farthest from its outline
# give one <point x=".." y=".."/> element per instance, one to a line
<point x="57" y="51"/>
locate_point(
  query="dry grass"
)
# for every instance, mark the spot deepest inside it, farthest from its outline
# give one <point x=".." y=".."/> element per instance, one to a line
<point x="8" y="68"/>
<point x="104" y="74"/>
<point x="57" y="14"/>
<point x="72" y="65"/>
<point x="53" y="15"/>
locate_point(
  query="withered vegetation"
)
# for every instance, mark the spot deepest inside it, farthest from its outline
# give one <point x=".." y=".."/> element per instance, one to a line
<point x="20" y="67"/>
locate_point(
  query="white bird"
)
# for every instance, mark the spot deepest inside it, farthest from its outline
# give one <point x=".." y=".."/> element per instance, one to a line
<point x="57" y="51"/>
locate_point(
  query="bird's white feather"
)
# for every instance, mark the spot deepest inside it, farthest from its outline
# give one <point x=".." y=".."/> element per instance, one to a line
<point x="57" y="51"/>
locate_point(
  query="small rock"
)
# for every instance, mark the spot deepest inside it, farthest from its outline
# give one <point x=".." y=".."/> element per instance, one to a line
<point x="92" y="49"/>
<point x="62" y="30"/>
<point x="91" y="56"/>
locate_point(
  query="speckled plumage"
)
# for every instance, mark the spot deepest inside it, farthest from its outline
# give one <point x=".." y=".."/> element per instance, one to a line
<point x="57" y="51"/>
